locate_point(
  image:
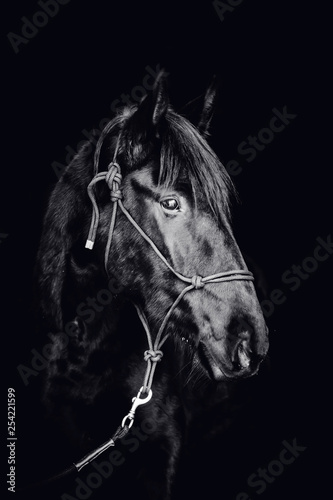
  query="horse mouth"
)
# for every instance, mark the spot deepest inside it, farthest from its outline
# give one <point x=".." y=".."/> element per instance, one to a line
<point x="209" y="365"/>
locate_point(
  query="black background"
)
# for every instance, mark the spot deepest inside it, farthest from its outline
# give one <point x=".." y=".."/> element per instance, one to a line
<point x="267" y="55"/>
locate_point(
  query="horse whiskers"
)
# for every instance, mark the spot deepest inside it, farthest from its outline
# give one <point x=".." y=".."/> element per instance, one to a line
<point x="196" y="374"/>
<point x="193" y="365"/>
<point x="189" y="363"/>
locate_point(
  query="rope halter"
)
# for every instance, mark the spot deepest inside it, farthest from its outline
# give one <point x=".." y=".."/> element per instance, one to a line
<point x="153" y="355"/>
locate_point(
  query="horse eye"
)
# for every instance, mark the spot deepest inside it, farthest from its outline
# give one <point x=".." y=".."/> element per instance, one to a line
<point x="170" y="205"/>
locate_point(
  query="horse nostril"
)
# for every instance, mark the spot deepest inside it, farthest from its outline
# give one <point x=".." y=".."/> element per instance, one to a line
<point x="243" y="355"/>
<point x="244" y="359"/>
<point x="247" y="344"/>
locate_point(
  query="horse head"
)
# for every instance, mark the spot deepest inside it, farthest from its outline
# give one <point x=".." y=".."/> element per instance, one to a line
<point x="161" y="224"/>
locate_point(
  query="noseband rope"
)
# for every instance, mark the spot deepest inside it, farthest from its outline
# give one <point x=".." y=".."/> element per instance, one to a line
<point x="153" y="354"/>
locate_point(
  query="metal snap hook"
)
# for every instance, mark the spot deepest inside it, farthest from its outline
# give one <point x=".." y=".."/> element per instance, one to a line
<point x="137" y="401"/>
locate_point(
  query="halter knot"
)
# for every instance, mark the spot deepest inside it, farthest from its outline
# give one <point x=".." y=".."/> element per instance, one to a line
<point x="116" y="195"/>
<point x="153" y="355"/>
<point x="113" y="178"/>
<point x="197" y="282"/>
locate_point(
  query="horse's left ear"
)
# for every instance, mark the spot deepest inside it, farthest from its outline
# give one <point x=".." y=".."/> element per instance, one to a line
<point x="160" y="99"/>
<point x="153" y="107"/>
<point x="208" y="108"/>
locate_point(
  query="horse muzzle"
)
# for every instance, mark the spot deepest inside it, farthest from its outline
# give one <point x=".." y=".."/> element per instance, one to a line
<point x="242" y="361"/>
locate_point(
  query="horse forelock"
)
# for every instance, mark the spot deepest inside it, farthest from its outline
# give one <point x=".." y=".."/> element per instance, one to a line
<point x="183" y="155"/>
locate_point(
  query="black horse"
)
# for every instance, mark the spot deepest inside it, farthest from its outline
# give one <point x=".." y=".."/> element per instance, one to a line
<point x="139" y="269"/>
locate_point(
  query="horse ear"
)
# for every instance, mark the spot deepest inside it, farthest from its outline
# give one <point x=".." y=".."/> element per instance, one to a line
<point x="208" y="108"/>
<point x="160" y="98"/>
<point x="153" y="107"/>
